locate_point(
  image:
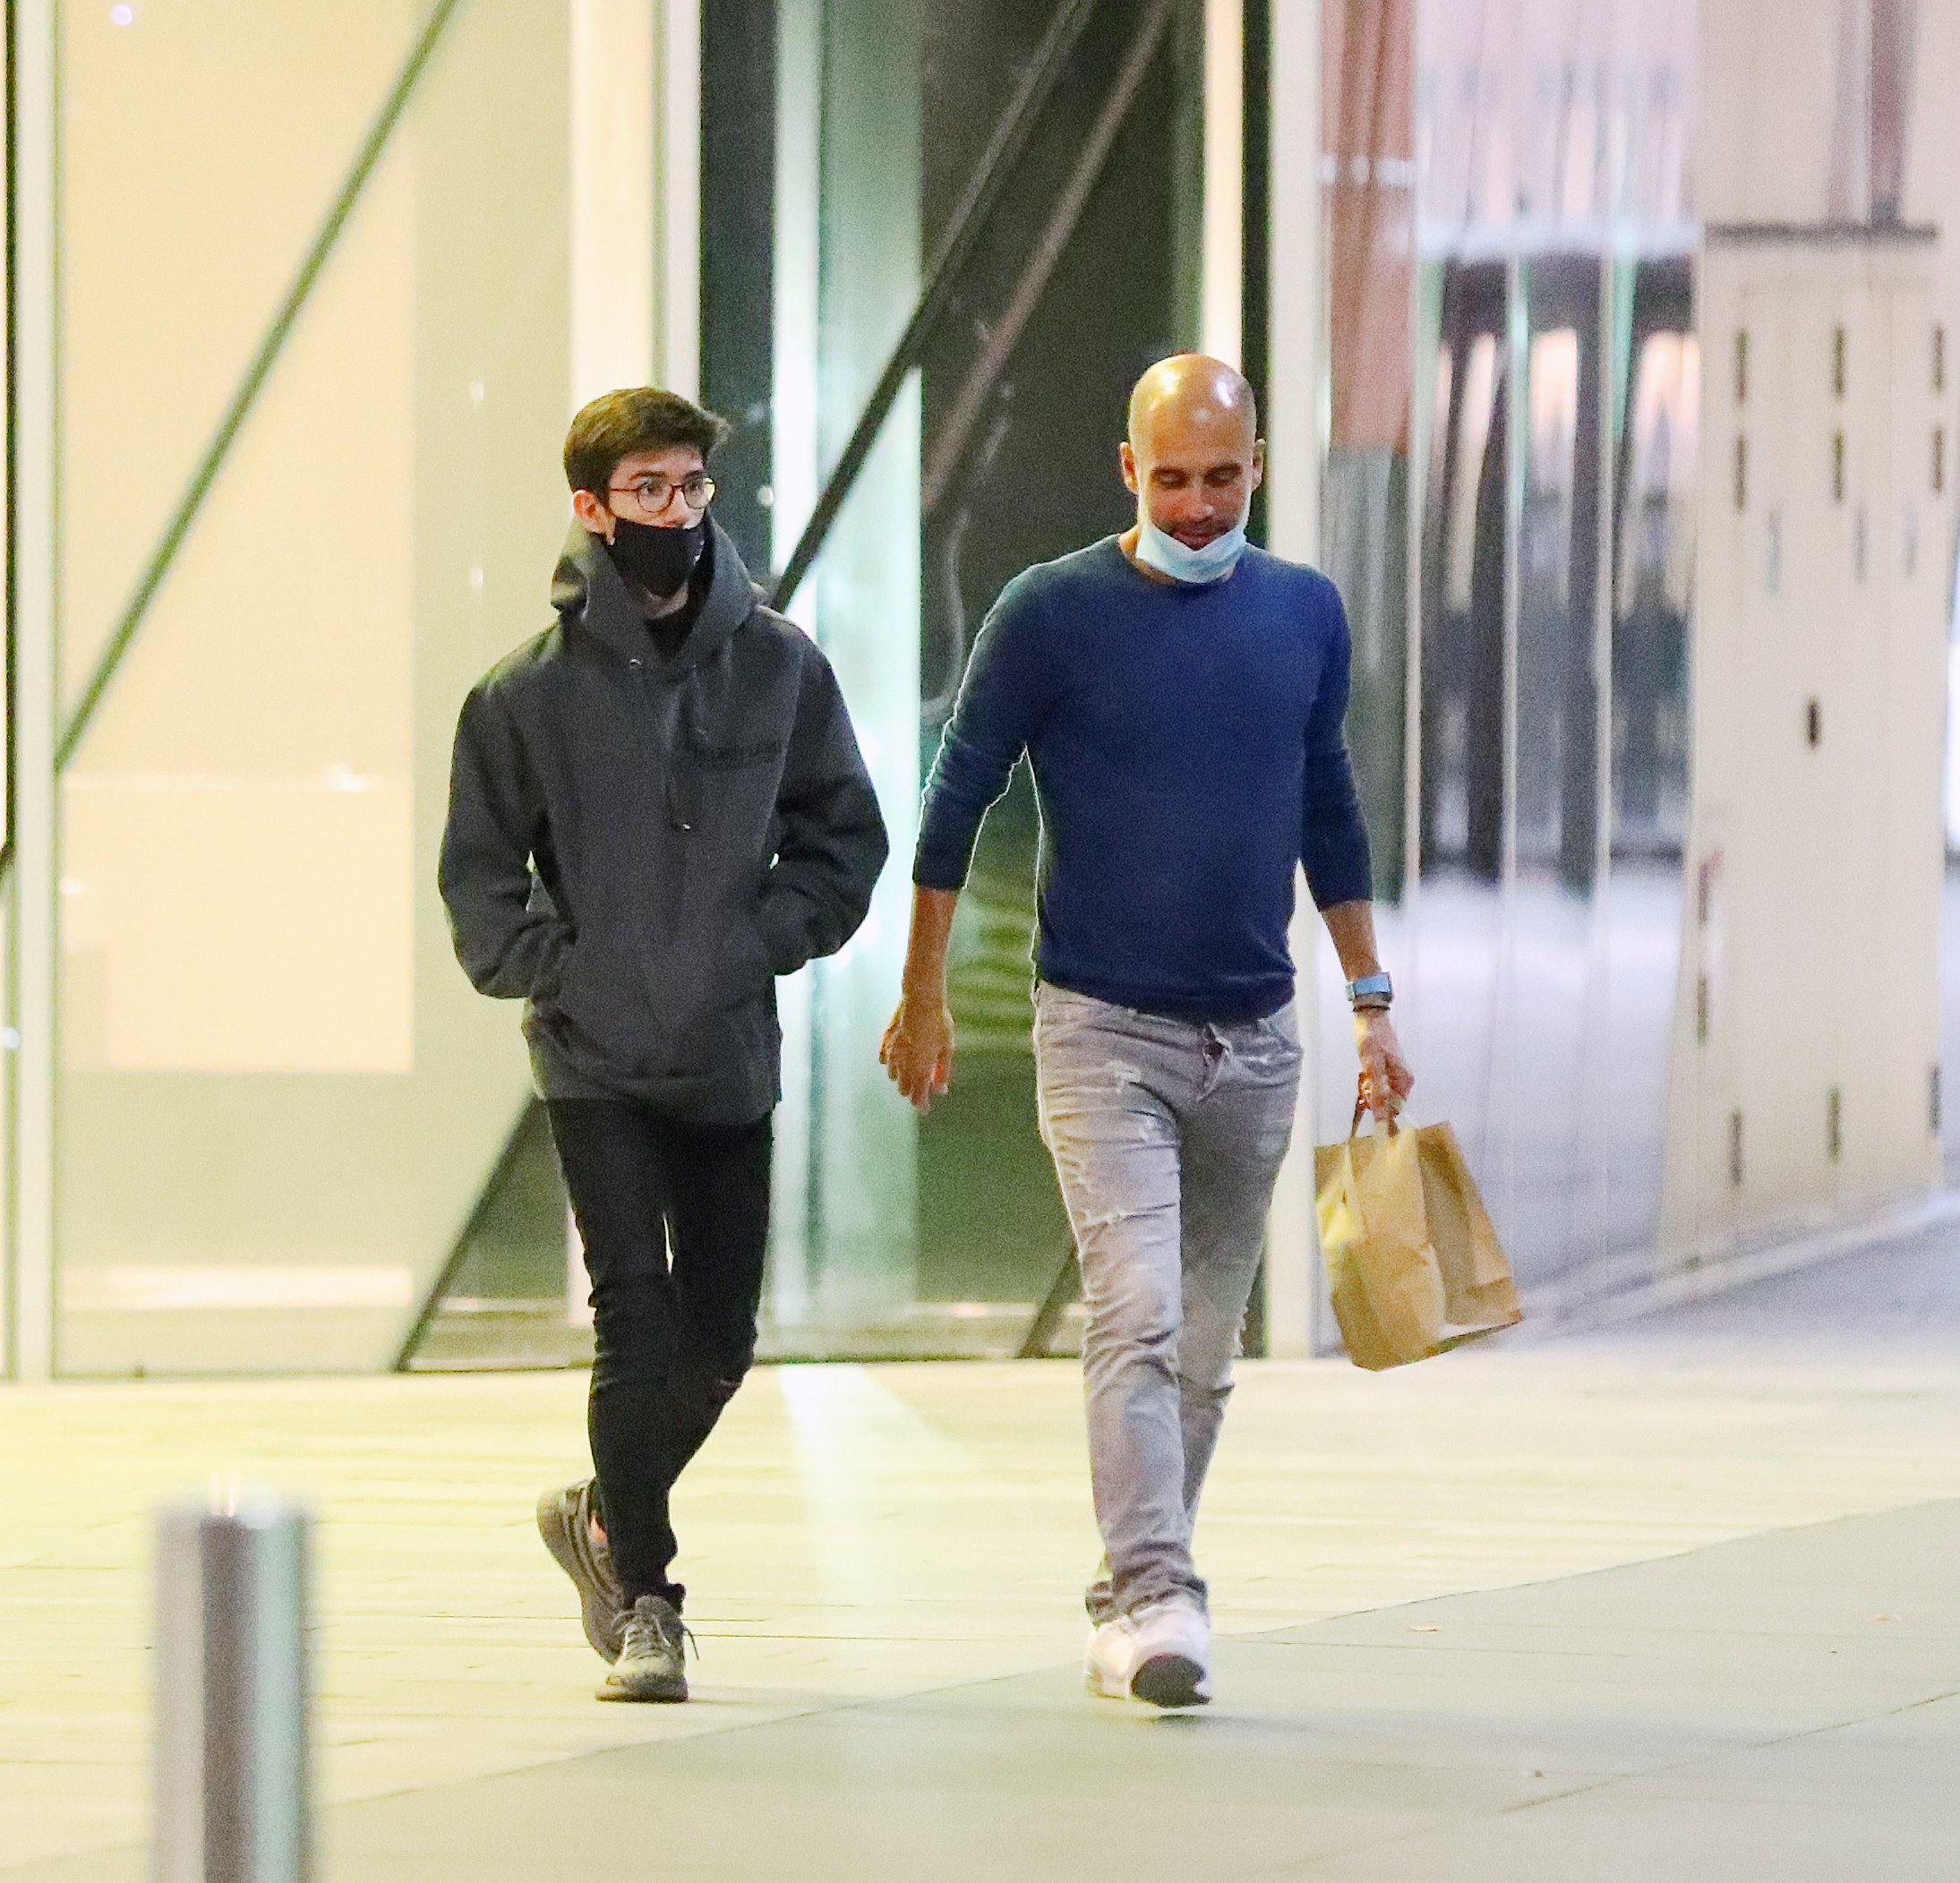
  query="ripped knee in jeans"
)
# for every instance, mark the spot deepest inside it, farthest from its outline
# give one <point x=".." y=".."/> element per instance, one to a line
<point x="1094" y="1081"/>
<point x="1096" y="1203"/>
<point x="1215" y="1394"/>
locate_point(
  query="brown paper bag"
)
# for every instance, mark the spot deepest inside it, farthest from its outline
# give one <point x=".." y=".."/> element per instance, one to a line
<point x="1412" y="1263"/>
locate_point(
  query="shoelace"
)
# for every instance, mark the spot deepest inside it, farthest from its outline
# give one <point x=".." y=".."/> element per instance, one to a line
<point x="643" y="1631"/>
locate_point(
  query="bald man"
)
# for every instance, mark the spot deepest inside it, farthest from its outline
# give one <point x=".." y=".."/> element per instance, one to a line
<point x="1179" y="696"/>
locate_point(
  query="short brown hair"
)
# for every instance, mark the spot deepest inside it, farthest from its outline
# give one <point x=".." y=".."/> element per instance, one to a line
<point x="638" y="418"/>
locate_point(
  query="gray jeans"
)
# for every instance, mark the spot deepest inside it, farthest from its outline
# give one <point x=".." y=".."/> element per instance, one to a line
<point x="1168" y="1136"/>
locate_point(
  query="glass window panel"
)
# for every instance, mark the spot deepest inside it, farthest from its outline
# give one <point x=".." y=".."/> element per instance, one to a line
<point x="1656" y="564"/>
<point x="951" y="1227"/>
<point x="1450" y="948"/>
<point x="1368" y="134"/>
<point x="1439" y="433"/>
<point x="1549" y="1030"/>
<point x="1557" y="552"/>
<point x="1466" y="449"/>
<point x="1651" y="624"/>
<point x="1542" y="950"/>
<point x="1463" y="663"/>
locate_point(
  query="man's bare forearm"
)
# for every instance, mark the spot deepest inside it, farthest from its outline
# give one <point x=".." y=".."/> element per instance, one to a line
<point x="917" y="1050"/>
<point x="1352" y="927"/>
<point x="931" y="937"/>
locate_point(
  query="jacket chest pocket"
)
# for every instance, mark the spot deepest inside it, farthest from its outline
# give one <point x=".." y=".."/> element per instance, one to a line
<point x="732" y="757"/>
<point x="717" y="782"/>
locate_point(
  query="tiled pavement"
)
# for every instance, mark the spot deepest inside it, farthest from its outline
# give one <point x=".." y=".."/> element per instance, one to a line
<point x="1678" y="1603"/>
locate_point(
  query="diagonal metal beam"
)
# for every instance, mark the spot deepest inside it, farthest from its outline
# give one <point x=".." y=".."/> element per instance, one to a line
<point x="185" y="518"/>
<point x="1005" y="333"/>
<point x="963" y="231"/>
<point x="461" y="1249"/>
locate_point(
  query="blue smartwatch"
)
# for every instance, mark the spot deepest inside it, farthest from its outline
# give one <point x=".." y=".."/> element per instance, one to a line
<point x="1371" y="990"/>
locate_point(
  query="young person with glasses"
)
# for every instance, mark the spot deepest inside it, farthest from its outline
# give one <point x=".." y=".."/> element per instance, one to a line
<point x="656" y="806"/>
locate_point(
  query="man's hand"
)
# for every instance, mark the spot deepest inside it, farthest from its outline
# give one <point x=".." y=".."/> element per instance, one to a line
<point x="1386" y="1080"/>
<point x="917" y="1050"/>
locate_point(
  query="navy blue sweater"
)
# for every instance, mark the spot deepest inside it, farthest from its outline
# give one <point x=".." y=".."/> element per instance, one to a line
<point x="1187" y="752"/>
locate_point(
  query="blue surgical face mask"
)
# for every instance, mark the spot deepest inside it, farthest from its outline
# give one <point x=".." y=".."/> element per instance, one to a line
<point x="1212" y="563"/>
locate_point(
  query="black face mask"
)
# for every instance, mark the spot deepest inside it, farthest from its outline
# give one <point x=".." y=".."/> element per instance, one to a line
<point x="655" y="560"/>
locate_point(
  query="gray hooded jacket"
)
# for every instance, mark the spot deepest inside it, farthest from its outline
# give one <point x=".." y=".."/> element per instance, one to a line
<point x="636" y="846"/>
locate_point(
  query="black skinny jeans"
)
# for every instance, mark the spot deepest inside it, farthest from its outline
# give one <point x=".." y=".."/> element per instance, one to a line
<point x="675" y="1337"/>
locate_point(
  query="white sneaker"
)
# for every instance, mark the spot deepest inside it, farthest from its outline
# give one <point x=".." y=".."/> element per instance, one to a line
<point x="1162" y="1653"/>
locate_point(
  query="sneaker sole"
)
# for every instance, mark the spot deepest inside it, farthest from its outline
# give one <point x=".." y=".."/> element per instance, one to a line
<point x="1103" y="1686"/>
<point x="656" y="1692"/>
<point x="1171" y="1680"/>
<point x="604" y="1620"/>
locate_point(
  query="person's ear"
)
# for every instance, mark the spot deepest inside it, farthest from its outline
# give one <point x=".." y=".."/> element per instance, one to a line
<point x="1259" y="462"/>
<point x="596" y="516"/>
<point x="1127" y="459"/>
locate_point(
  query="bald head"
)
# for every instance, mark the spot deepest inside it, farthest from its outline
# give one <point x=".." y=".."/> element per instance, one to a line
<point x="1188" y="388"/>
<point x="1194" y="455"/>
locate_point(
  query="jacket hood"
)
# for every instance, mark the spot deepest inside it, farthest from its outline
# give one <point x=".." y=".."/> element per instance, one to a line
<point x="587" y="592"/>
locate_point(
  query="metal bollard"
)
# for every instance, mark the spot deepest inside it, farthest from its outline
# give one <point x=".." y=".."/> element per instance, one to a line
<point x="233" y="1778"/>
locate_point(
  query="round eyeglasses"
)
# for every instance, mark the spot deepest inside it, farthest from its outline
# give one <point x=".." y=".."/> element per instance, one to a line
<point x="653" y="492"/>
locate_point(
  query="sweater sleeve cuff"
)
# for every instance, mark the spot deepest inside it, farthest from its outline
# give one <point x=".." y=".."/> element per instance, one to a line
<point x="1331" y="887"/>
<point x="935" y="867"/>
<point x="1338" y="862"/>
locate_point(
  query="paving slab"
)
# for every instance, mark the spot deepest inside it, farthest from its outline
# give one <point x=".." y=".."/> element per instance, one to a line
<point x="886" y="1564"/>
<point x="1450" y="1740"/>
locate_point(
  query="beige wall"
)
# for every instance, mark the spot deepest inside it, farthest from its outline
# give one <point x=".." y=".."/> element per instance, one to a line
<point x="202" y="145"/>
<point x="1802" y="850"/>
<point x="238" y="827"/>
<point x="1766" y="123"/>
<point x="279" y="1098"/>
<point x="1782" y="94"/>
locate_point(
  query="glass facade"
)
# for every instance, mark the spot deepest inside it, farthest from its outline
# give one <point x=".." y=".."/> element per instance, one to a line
<point x="310" y="1118"/>
<point x="314" y="365"/>
<point x="840" y="139"/>
<point x="1509" y="204"/>
<point x="938" y="1236"/>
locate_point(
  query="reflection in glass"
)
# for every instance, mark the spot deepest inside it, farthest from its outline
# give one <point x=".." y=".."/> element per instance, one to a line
<point x="1660" y="381"/>
<point x="1368" y="194"/>
<point x="1547" y="622"/>
<point x="1454" y="938"/>
<point x="1541" y="945"/>
<point x="1650" y="609"/>
<point x="1462" y="786"/>
<point x="941" y="1239"/>
<point x="1550" y="963"/>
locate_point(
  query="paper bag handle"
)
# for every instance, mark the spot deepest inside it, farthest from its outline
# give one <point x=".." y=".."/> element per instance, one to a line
<point x="1361" y="1106"/>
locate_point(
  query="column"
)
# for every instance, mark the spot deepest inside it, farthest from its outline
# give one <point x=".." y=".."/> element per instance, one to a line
<point x="794" y="474"/>
<point x="33" y="177"/>
<point x="1294" y="434"/>
<point x="864" y="1229"/>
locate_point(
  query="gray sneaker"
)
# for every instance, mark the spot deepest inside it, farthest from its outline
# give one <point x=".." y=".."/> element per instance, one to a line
<point x="564" y="1520"/>
<point x="650" y="1667"/>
